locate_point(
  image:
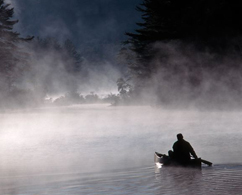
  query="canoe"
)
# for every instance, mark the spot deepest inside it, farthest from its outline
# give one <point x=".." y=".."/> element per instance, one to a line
<point x="162" y="160"/>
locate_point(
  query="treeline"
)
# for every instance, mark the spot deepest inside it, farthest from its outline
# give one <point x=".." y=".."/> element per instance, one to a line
<point x="55" y="66"/>
<point x="11" y="54"/>
<point x="32" y="68"/>
<point x="186" y="51"/>
<point x="76" y="98"/>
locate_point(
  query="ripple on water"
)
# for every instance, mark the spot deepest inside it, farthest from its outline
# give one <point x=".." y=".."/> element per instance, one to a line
<point x="216" y="180"/>
<point x="219" y="179"/>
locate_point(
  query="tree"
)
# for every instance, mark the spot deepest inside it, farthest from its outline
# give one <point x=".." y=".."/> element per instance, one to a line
<point x="205" y="24"/>
<point x="73" y="57"/>
<point x="123" y="87"/>
<point x="160" y="24"/>
<point x="202" y="32"/>
<point x="12" y="58"/>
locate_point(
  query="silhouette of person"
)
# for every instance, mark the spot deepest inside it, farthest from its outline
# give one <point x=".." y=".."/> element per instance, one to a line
<point x="171" y="154"/>
<point x="182" y="150"/>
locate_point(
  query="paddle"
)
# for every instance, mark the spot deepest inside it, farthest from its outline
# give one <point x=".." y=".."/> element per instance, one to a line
<point x="159" y="155"/>
<point x="206" y="162"/>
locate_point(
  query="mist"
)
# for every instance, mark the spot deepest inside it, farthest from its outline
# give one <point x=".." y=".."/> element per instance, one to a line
<point x="92" y="26"/>
<point x="37" y="141"/>
<point x="91" y="147"/>
<point x="53" y="73"/>
<point x="186" y="75"/>
<point x="58" y="137"/>
<point x="48" y="72"/>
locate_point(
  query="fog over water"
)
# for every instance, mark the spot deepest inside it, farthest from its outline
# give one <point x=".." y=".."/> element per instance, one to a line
<point x="103" y="149"/>
<point x="100" y="149"/>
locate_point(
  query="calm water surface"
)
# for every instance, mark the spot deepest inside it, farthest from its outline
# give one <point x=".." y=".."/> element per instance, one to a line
<point x="98" y="149"/>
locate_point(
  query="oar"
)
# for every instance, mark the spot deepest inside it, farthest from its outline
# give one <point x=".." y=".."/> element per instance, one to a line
<point x="158" y="154"/>
<point x="206" y="162"/>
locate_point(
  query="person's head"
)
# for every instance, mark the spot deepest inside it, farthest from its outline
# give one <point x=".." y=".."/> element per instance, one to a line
<point x="179" y="137"/>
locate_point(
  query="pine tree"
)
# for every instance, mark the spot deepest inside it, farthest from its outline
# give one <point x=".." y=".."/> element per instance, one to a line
<point x="204" y="24"/>
<point x="161" y="23"/>
<point x="203" y="32"/>
<point x="10" y="52"/>
<point x="73" y="57"/>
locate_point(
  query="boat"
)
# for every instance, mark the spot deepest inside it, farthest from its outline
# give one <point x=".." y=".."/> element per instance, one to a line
<point x="162" y="160"/>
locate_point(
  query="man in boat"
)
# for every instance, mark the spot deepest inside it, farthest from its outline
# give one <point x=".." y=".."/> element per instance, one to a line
<point x="183" y="150"/>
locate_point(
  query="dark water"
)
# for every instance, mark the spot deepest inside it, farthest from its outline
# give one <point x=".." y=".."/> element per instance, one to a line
<point x="104" y="150"/>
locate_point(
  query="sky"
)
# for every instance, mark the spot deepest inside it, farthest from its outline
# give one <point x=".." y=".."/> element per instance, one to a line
<point x="96" y="27"/>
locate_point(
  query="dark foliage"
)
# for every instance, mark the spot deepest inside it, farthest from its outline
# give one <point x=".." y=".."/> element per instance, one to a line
<point x="174" y="30"/>
<point x="13" y="58"/>
<point x="10" y="53"/>
<point x="72" y="56"/>
<point x="202" y="22"/>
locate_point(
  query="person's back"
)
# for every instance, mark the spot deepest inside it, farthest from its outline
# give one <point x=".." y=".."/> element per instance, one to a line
<point x="182" y="150"/>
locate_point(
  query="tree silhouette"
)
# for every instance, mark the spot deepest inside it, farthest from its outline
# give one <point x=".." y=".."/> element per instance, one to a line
<point x="11" y="54"/>
<point x="202" y="32"/>
<point x="205" y="24"/>
<point x="72" y="56"/>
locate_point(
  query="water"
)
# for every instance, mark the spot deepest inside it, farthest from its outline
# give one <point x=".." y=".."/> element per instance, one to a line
<point x="98" y="149"/>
